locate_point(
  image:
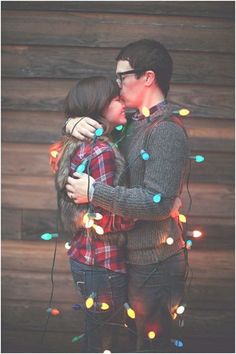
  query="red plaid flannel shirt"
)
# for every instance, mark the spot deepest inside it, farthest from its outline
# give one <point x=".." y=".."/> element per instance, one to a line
<point x="83" y="248"/>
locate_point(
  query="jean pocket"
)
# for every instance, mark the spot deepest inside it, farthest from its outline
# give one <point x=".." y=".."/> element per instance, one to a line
<point x="79" y="278"/>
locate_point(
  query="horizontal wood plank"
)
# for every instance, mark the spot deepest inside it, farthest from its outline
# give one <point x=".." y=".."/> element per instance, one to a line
<point x="217" y="234"/>
<point x="40" y="257"/>
<point x="219" y="9"/>
<point x="33" y="160"/>
<point x="27" y="341"/>
<point x="54" y="62"/>
<point x="100" y="30"/>
<point x="11" y="223"/>
<point x="206" y="134"/>
<point x="49" y="95"/>
<point x="39" y="193"/>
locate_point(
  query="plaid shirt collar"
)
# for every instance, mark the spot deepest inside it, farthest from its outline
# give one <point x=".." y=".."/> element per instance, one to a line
<point x="155" y="111"/>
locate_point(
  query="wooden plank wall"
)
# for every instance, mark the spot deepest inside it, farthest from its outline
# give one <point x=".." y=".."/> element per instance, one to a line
<point x="46" y="47"/>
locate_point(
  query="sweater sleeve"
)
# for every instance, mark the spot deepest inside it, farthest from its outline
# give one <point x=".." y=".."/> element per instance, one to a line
<point x="168" y="150"/>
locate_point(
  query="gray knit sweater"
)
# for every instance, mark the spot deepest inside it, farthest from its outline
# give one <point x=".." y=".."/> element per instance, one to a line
<point x="164" y="172"/>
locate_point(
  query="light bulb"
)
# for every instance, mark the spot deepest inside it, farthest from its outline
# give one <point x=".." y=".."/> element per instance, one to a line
<point x="182" y="218"/>
<point x="53" y="312"/>
<point x="145" y="112"/>
<point x="199" y="158"/>
<point x="157" y="198"/>
<point x="48" y="236"/>
<point x="80" y="168"/>
<point x="90" y="300"/>
<point x="189" y="244"/>
<point x="119" y="127"/>
<point x="194" y="233"/>
<point x="88" y="223"/>
<point x="99" y="230"/>
<point x="99" y="132"/>
<point x="151" y="335"/>
<point x="54" y="153"/>
<point x="106" y="351"/>
<point x="104" y="306"/>
<point x="169" y="241"/>
<point x="145" y="155"/>
<point x="180" y="310"/>
<point x="77" y="338"/>
<point x="184" y="112"/>
<point x="129" y="310"/>
<point x="68" y="245"/>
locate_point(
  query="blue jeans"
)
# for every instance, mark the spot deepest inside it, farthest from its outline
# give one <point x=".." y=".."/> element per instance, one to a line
<point x="154" y="291"/>
<point x="110" y="287"/>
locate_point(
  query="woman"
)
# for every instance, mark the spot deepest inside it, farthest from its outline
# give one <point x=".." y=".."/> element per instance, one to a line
<point x="96" y="251"/>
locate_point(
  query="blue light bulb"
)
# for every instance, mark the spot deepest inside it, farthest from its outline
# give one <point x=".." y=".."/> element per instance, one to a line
<point x="145" y="155"/>
<point x="99" y="132"/>
<point x="119" y="127"/>
<point x="80" y="168"/>
<point x="178" y="343"/>
<point x="189" y="243"/>
<point x="47" y="236"/>
<point x="199" y="158"/>
<point x="157" y="198"/>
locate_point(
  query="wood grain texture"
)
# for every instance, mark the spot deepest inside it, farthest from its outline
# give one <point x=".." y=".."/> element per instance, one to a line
<point x="39" y="193"/>
<point x="33" y="160"/>
<point x="100" y="30"/>
<point x="48" y="95"/>
<point x="55" y="62"/>
<point x="219" y="9"/>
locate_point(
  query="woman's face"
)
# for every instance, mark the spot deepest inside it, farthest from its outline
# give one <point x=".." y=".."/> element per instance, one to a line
<point x="115" y="112"/>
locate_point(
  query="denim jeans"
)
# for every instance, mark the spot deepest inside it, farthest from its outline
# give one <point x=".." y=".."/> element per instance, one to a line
<point x="110" y="287"/>
<point x="154" y="291"/>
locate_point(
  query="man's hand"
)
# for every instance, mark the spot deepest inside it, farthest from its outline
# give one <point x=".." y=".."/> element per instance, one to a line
<point x="176" y="206"/>
<point x="77" y="188"/>
<point x="84" y="130"/>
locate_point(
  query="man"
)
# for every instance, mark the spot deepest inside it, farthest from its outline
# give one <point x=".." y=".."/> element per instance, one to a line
<point x="156" y="150"/>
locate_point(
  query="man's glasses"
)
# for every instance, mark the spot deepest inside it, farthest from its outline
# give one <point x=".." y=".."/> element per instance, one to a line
<point x="120" y="78"/>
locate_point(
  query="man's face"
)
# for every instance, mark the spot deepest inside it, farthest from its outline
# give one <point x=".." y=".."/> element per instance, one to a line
<point x="132" y="89"/>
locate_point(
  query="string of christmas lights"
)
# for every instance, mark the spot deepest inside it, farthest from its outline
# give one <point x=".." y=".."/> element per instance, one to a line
<point x="89" y="222"/>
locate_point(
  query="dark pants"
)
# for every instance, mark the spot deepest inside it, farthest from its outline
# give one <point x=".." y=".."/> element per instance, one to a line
<point x="154" y="291"/>
<point x="110" y="287"/>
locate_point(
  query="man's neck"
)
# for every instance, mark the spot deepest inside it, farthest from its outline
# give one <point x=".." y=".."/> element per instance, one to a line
<point x="151" y="99"/>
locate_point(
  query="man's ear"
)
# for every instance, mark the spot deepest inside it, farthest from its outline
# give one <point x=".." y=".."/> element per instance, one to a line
<point x="150" y="77"/>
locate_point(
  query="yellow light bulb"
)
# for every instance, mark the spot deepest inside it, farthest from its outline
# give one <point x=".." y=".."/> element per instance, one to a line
<point x="89" y="302"/>
<point x="169" y="241"/>
<point x="88" y="223"/>
<point x="54" y="153"/>
<point x="145" y="112"/>
<point x="184" y="112"/>
<point x="151" y="334"/>
<point x="131" y="313"/>
<point x="104" y="306"/>
<point x="180" y="310"/>
<point x="182" y="218"/>
<point x="99" y="230"/>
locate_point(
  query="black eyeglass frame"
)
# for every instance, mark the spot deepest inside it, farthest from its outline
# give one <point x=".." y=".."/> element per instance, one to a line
<point x="134" y="71"/>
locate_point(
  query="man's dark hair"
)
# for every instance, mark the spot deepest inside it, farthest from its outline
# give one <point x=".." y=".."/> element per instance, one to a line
<point x="148" y="54"/>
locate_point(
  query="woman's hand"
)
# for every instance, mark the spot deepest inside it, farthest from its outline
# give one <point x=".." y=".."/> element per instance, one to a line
<point x="82" y="128"/>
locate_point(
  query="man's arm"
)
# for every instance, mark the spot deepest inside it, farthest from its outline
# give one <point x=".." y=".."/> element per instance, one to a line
<point x="82" y="128"/>
<point x="168" y="149"/>
<point x="163" y="173"/>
